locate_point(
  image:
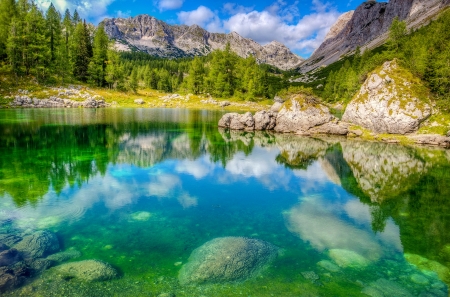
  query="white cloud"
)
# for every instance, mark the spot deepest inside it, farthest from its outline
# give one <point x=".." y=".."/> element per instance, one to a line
<point x="202" y="16"/>
<point x="91" y="10"/>
<point x="169" y="4"/>
<point x="123" y="14"/>
<point x="279" y="21"/>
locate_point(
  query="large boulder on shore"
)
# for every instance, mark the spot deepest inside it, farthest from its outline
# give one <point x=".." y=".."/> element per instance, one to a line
<point x="265" y="120"/>
<point x="227" y="259"/>
<point x="235" y="121"/>
<point x="38" y="244"/>
<point x="301" y="113"/>
<point x="391" y="100"/>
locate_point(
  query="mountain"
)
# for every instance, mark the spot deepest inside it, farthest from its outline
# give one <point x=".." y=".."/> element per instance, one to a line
<point x="368" y="27"/>
<point x="147" y="34"/>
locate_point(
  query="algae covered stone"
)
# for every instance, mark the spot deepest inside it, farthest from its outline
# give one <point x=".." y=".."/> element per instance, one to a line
<point x="38" y="244"/>
<point x="227" y="259"/>
<point x="347" y="258"/>
<point x="87" y="270"/>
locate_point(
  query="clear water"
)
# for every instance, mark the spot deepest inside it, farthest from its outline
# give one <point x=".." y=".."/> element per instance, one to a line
<point x="141" y="189"/>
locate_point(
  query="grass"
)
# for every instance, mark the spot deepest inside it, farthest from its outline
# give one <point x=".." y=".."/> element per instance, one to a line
<point x="10" y="87"/>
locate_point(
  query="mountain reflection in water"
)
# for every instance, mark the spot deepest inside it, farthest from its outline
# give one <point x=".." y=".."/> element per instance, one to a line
<point x="330" y="197"/>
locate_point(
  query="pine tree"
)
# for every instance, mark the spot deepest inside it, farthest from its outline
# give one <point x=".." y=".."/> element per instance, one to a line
<point x="195" y="79"/>
<point x="7" y="13"/>
<point x="54" y="30"/>
<point x="114" y="71"/>
<point x="397" y="32"/>
<point x="82" y="51"/>
<point x="76" y="18"/>
<point x="97" y="66"/>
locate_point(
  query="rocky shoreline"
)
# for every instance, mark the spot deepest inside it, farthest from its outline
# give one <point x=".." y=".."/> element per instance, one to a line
<point x="388" y="103"/>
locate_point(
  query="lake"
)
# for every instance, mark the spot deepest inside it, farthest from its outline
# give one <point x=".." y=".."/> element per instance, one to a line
<point x="142" y="189"/>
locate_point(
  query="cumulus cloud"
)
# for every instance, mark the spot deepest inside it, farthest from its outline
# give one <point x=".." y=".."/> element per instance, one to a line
<point x="169" y="4"/>
<point x="91" y="10"/>
<point x="280" y="21"/>
<point x="202" y="16"/>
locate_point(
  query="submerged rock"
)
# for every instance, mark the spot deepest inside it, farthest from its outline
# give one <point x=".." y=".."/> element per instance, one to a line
<point x="64" y="256"/>
<point x="390" y="101"/>
<point x="301" y="113"/>
<point x="328" y="266"/>
<point x="9" y="257"/>
<point x="12" y="277"/>
<point x="87" y="270"/>
<point x="347" y="258"/>
<point x="9" y="239"/>
<point x="227" y="259"/>
<point x="39" y="244"/>
<point x="383" y="287"/>
<point x="426" y="264"/>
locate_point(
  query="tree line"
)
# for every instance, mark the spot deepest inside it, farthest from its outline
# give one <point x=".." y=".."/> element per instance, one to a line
<point x="58" y="49"/>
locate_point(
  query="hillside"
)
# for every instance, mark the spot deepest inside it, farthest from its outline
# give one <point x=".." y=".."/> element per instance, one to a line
<point x="367" y="27"/>
<point x="148" y="34"/>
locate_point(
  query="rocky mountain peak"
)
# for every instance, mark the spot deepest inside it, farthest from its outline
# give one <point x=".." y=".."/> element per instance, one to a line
<point x="147" y="34"/>
<point x="368" y="27"/>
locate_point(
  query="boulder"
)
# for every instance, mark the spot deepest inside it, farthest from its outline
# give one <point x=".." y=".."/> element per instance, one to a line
<point x="64" y="256"/>
<point x="11" y="278"/>
<point x="235" y="121"/>
<point x="301" y="113"/>
<point x="331" y="128"/>
<point x="225" y="103"/>
<point x="390" y="101"/>
<point x="227" y="259"/>
<point x="384" y="287"/>
<point x="39" y="244"/>
<point x="139" y="101"/>
<point x="87" y="270"/>
<point x="9" y="239"/>
<point x="431" y="139"/>
<point x="9" y="257"/>
<point x="265" y="120"/>
<point x="347" y="258"/>
<point x="278" y="99"/>
<point x="276" y="107"/>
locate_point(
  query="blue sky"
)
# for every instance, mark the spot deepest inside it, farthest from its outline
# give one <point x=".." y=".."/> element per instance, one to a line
<point x="301" y="25"/>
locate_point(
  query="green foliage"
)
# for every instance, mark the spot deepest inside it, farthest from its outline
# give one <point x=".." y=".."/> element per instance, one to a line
<point x="425" y="52"/>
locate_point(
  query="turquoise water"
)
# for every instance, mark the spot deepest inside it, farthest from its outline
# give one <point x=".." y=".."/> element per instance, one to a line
<point x="141" y="189"/>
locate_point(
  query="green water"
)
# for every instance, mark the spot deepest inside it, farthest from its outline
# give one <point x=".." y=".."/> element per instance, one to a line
<point x="141" y="189"/>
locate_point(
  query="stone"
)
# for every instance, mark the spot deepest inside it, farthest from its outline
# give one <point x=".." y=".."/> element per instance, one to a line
<point x="276" y="107"/>
<point x="235" y="121"/>
<point x="386" y="288"/>
<point x="39" y="244"/>
<point x="302" y="113"/>
<point x="419" y="279"/>
<point x="334" y="127"/>
<point x="264" y="120"/>
<point x="431" y="139"/>
<point x="448" y="133"/>
<point x="347" y="258"/>
<point x="39" y="264"/>
<point x="310" y="275"/>
<point x="87" y="270"/>
<point x="9" y="257"/>
<point x="425" y="264"/>
<point x="395" y="107"/>
<point x="9" y="239"/>
<point x="278" y="99"/>
<point x="64" y="256"/>
<point x="139" y="101"/>
<point x="328" y="266"/>
<point x="11" y="278"/>
<point x="225" y="103"/>
<point x="227" y="259"/>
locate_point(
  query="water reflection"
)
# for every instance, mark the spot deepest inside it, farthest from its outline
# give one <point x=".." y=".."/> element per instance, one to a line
<point x="344" y="199"/>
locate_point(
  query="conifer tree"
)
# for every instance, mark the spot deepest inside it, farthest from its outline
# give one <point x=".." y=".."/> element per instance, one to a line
<point x="76" y="18"/>
<point x="97" y="66"/>
<point x="82" y="51"/>
<point x="7" y="13"/>
<point x="54" y="30"/>
<point x="195" y="79"/>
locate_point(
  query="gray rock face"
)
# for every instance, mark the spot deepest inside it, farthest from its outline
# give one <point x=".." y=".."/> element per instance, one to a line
<point x="235" y="121"/>
<point x="38" y="245"/>
<point x="388" y="102"/>
<point x="87" y="270"/>
<point x="227" y="259"/>
<point x="265" y="120"/>
<point x="368" y="26"/>
<point x="155" y="37"/>
<point x="299" y="115"/>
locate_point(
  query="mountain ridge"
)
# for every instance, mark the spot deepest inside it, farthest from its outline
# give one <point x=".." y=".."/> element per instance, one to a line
<point x="368" y="27"/>
<point x="148" y="34"/>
